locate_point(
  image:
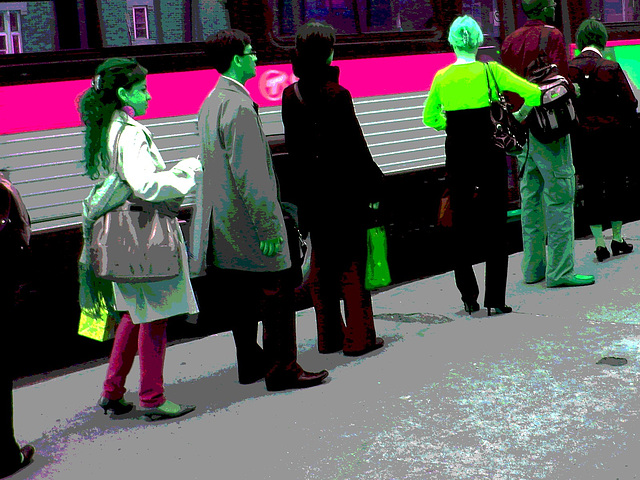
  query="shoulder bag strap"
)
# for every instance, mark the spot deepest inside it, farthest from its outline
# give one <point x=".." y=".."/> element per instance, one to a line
<point x="296" y="89"/>
<point x="4" y="213"/>
<point x="488" y="73"/>
<point x="116" y="153"/>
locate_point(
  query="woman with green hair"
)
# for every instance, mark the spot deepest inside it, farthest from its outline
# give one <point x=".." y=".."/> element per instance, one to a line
<point x="458" y="102"/>
<point x="115" y="142"/>
<point x="606" y="109"/>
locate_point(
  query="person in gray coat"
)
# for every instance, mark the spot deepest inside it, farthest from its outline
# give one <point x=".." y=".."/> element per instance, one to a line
<point x="238" y="235"/>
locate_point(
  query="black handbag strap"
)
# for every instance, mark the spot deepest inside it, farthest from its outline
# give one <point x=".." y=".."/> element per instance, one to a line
<point x="488" y="72"/>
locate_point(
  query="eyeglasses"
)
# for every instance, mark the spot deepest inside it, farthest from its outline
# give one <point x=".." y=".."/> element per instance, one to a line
<point x="252" y="52"/>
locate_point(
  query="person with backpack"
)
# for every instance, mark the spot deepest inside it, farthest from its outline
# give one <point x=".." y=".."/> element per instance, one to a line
<point x="547" y="184"/>
<point x="607" y="109"/>
<point x="15" y="233"/>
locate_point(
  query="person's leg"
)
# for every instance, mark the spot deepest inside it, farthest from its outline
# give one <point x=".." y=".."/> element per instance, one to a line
<point x="555" y="163"/>
<point x="534" y="258"/>
<point x="463" y="219"/>
<point x="240" y="309"/>
<point x="324" y="283"/>
<point x="279" y="328"/>
<point x="360" y="332"/>
<point x="152" y="344"/>
<point x="9" y="450"/>
<point x="279" y="336"/>
<point x="598" y="236"/>
<point x="125" y="347"/>
<point x="494" y="215"/>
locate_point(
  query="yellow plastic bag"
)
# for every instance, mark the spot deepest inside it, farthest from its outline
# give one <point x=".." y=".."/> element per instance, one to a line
<point x="98" y="324"/>
<point x="377" y="273"/>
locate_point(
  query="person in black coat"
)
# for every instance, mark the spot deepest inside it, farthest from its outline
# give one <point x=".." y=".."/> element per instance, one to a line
<point x="15" y="232"/>
<point x="606" y="108"/>
<point x="339" y="189"/>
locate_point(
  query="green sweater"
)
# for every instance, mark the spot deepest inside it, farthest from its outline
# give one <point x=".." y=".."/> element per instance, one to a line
<point x="464" y="86"/>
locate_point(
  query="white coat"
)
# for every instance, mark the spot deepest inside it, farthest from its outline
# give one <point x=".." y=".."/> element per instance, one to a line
<point x="142" y="167"/>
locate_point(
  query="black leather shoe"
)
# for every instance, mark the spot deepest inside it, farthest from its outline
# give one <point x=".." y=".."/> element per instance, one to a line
<point x="602" y="253"/>
<point x="499" y="310"/>
<point x="117" y="407"/>
<point x="303" y="380"/>
<point x="330" y="349"/>
<point x="28" y="451"/>
<point x="621" y="247"/>
<point x="379" y="343"/>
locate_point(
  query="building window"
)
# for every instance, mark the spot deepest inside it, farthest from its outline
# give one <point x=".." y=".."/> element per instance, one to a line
<point x="10" y="32"/>
<point x="140" y="23"/>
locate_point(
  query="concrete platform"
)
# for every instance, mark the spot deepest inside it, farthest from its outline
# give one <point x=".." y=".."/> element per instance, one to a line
<point x="451" y="396"/>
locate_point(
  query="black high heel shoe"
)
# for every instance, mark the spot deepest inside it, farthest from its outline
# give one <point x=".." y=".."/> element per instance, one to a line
<point x="621" y="247"/>
<point x="499" y="310"/>
<point x="471" y="307"/>
<point x="602" y="253"/>
<point x="117" y="407"/>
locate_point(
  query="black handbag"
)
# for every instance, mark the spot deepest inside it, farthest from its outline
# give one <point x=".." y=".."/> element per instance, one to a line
<point x="509" y="135"/>
<point x="297" y="245"/>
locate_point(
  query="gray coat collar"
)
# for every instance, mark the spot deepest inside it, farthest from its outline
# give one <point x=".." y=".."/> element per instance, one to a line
<point x="226" y="84"/>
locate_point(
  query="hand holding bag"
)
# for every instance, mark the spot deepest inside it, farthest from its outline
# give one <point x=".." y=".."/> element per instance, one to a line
<point x="509" y="135"/>
<point x="377" y="273"/>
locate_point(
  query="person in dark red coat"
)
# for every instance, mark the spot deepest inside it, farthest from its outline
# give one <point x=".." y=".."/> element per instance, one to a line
<point x="338" y="183"/>
<point x="15" y="232"/>
<point x="606" y="109"/>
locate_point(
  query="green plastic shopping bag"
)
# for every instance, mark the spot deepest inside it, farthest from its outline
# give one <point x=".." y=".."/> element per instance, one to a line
<point x="98" y="323"/>
<point x="377" y="273"/>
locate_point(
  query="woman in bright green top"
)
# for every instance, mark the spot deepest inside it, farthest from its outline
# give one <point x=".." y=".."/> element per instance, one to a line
<point x="476" y="169"/>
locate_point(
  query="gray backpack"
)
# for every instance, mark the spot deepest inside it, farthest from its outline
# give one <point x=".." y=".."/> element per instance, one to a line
<point x="556" y="116"/>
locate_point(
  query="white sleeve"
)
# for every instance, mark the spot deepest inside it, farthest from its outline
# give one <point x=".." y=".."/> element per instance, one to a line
<point x="143" y="169"/>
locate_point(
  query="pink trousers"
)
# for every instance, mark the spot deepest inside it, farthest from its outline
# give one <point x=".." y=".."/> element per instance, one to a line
<point x="150" y="339"/>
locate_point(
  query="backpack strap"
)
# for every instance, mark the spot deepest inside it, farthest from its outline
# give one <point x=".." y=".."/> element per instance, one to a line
<point x="544" y="39"/>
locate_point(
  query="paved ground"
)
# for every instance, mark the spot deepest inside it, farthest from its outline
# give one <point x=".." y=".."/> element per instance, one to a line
<point x="452" y="396"/>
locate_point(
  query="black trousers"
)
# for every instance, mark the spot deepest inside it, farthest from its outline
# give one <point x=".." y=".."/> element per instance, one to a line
<point x="600" y="161"/>
<point x="9" y="449"/>
<point x="242" y="299"/>
<point x="477" y="177"/>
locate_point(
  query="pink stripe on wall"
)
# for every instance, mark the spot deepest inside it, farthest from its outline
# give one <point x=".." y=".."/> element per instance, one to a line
<point x="47" y="106"/>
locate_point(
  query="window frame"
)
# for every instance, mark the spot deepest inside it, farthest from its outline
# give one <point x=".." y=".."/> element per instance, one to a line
<point x="144" y="8"/>
<point x="10" y="35"/>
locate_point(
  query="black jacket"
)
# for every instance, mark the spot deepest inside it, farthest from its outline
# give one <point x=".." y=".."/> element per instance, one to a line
<point x="15" y="234"/>
<point x="338" y="178"/>
<point x="606" y="98"/>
